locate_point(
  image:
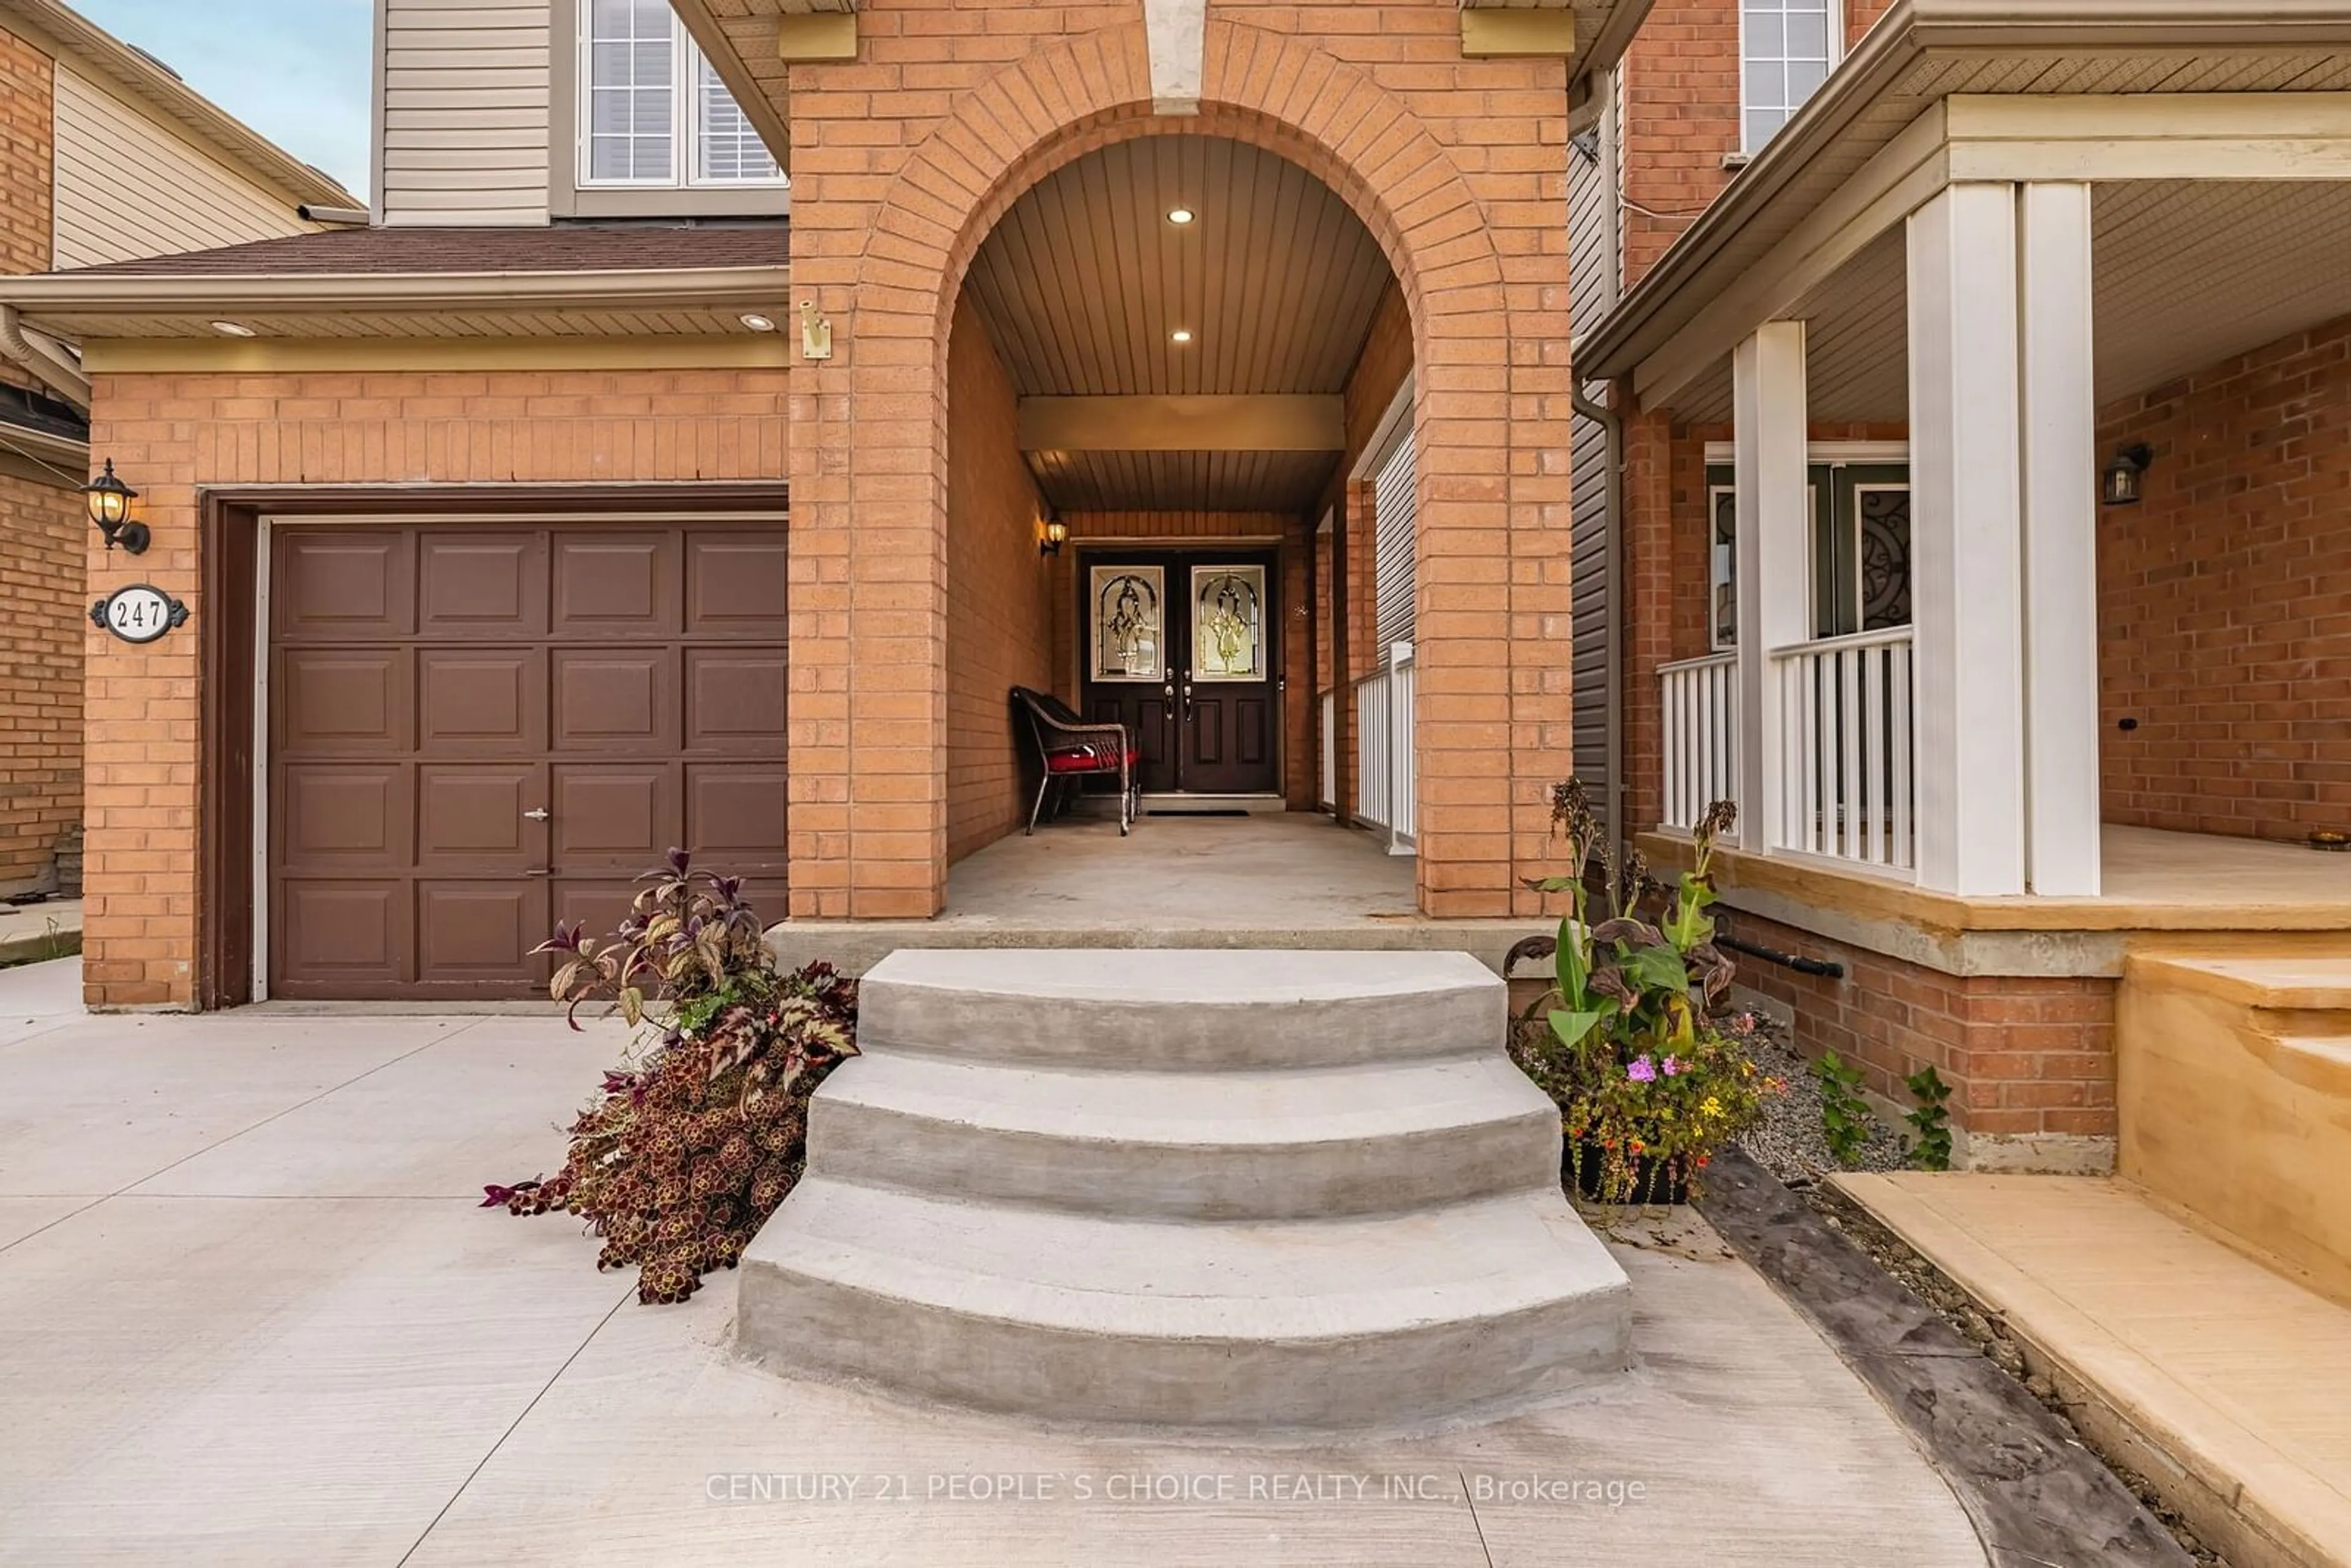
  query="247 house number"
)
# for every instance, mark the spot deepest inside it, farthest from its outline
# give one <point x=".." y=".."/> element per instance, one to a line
<point x="138" y="613"/>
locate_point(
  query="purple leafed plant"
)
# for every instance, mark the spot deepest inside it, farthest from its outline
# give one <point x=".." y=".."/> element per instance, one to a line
<point x="689" y="1149"/>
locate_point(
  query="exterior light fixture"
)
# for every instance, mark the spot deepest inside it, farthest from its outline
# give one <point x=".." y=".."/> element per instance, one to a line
<point x="758" y="323"/>
<point x="234" y="329"/>
<point x="2119" y="485"/>
<point x="1051" y="535"/>
<point x="1180" y="335"/>
<point x="108" y="500"/>
<point x="1179" y="216"/>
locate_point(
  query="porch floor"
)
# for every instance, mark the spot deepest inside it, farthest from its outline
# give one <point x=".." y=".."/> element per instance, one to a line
<point x="1296" y="880"/>
<point x="2154" y="881"/>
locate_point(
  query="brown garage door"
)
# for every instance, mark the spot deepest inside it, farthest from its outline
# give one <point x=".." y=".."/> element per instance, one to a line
<point x="477" y="731"/>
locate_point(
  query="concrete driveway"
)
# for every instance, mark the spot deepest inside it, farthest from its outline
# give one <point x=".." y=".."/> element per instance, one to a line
<point x="250" y="1313"/>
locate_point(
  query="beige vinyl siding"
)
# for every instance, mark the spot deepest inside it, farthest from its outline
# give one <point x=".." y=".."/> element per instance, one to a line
<point x="128" y="188"/>
<point x="465" y="113"/>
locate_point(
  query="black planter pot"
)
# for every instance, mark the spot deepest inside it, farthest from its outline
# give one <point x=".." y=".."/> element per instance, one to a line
<point x="1654" y="1182"/>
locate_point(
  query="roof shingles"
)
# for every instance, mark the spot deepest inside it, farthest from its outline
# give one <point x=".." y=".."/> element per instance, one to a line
<point x="390" y="251"/>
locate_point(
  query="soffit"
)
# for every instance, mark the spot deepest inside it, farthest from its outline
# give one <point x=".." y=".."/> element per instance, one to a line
<point x="1925" y="50"/>
<point x="1084" y="282"/>
<point x="2186" y="272"/>
<point x="1286" y="482"/>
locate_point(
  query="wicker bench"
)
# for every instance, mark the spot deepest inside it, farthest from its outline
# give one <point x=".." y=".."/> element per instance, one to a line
<point x="1066" y="747"/>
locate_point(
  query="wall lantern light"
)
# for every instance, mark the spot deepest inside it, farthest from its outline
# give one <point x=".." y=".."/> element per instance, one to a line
<point x="109" y="499"/>
<point x="1051" y="535"/>
<point x="2119" y="485"/>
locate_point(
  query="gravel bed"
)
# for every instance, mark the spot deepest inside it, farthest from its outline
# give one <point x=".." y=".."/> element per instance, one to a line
<point x="1790" y="1143"/>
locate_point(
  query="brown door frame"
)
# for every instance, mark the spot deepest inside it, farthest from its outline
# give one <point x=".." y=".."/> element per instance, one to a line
<point x="229" y="532"/>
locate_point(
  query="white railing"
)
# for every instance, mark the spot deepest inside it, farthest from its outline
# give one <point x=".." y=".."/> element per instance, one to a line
<point x="1701" y="724"/>
<point x="1847" y="752"/>
<point x="1386" y="784"/>
<point x="1329" y="797"/>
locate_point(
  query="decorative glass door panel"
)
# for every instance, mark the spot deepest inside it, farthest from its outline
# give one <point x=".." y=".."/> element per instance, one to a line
<point x="1228" y="623"/>
<point x="1130" y="623"/>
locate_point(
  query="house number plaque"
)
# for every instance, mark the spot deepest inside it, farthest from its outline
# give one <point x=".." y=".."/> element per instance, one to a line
<point x="138" y="613"/>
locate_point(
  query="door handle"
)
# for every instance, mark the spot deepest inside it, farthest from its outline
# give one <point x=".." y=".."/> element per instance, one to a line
<point x="541" y="815"/>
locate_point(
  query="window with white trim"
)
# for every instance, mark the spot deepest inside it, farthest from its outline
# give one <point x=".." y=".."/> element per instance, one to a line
<point x="1395" y="505"/>
<point x="653" y="110"/>
<point x="1786" y="48"/>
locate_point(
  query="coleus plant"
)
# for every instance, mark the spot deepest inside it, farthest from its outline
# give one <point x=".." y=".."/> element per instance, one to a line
<point x="686" y="1151"/>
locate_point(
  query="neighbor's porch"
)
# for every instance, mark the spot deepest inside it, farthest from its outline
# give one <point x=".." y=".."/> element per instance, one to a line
<point x="2023" y="517"/>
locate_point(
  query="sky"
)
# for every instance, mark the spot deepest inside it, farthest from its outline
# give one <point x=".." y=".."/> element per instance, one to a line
<point x="299" y="71"/>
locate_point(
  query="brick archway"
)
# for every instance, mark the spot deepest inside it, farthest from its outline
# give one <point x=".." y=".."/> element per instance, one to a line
<point x="883" y="256"/>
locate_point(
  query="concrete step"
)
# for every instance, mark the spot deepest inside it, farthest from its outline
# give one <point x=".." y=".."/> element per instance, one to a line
<point x="1163" y="1009"/>
<point x="1225" y="1191"/>
<point x="1250" y="1144"/>
<point x="1289" y="1324"/>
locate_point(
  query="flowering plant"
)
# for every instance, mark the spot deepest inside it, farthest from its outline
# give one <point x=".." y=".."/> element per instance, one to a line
<point x="686" y="1151"/>
<point x="1651" y="1076"/>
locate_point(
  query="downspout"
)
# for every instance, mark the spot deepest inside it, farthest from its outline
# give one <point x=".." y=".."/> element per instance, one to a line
<point x="52" y="368"/>
<point x="1612" y="784"/>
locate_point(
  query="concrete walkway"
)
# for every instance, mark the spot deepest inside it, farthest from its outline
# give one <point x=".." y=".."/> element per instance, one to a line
<point x="250" y="1313"/>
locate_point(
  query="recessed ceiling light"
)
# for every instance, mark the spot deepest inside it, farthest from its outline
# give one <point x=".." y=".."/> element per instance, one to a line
<point x="1180" y="335"/>
<point x="1180" y="215"/>
<point x="758" y="323"/>
<point x="234" y="329"/>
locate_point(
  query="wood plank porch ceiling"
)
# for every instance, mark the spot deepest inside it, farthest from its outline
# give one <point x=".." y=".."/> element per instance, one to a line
<point x="1085" y="283"/>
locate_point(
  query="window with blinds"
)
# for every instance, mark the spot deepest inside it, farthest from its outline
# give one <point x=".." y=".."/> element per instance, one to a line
<point x="646" y="93"/>
<point x="1394" y="513"/>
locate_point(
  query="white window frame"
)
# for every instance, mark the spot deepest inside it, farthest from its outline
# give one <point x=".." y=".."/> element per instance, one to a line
<point x="1837" y="24"/>
<point x="686" y="123"/>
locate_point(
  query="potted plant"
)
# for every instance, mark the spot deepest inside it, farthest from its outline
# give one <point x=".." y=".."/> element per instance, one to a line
<point x="1652" y="1076"/>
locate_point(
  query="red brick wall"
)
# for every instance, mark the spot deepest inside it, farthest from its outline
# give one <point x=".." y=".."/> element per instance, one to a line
<point x="27" y="155"/>
<point x="42" y="627"/>
<point x="27" y="151"/>
<point x="2022" y="1055"/>
<point x="2224" y="613"/>
<point x="172" y="433"/>
<point x="999" y="608"/>
<point x="904" y="158"/>
<point x="1860" y="16"/>
<point x="1371" y="389"/>
<point x="1677" y="121"/>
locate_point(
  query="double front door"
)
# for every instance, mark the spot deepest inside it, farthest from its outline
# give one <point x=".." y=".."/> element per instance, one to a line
<point x="1184" y="649"/>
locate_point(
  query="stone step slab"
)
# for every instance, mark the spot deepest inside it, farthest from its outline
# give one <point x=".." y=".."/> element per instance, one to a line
<point x="1269" y="1325"/>
<point x="1251" y="1145"/>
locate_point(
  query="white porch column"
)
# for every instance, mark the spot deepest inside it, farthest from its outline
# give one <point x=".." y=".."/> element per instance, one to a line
<point x="1966" y="541"/>
<point x="1770" y="408"/>
<point x="2058" y="419"/>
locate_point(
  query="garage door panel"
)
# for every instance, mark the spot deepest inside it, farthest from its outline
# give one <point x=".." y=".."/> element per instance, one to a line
<point x="735" y="700"/>
<point x="348" y="818"/>
<point x="432" y="685"/>
<point x="620" y="816"/>
<point x="340" y="701"/>
<point x="341" y="932"/>
<point x="595" y="903"/>
<point x="615" y="700"/>
<point x="479" y="931"/>
<point x="474" y="816"/>
<point x="736" y="582"/>
<point x="481" y="699"/>
<point x="344" y="583"/>
<point x="481" y="585"/>
<point x="735" y="816"/>
<point x="614" y="584"/>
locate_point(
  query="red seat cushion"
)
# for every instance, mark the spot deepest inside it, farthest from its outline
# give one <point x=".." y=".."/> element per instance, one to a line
<point x="1090" y="758"/>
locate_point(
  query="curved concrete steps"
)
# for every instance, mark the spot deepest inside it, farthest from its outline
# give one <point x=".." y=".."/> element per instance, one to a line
<point x="1253" y="1145"/>
<point x="1224" y="1191"/>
